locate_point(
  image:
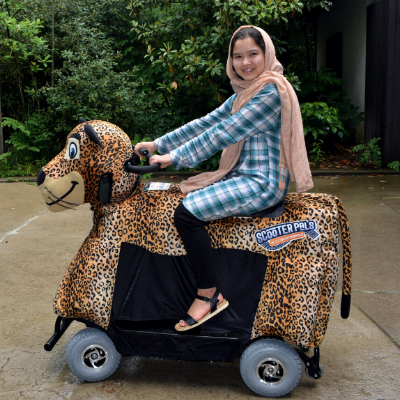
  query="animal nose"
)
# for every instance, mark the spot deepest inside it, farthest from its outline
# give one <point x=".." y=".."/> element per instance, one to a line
<point x="41" y="177"/>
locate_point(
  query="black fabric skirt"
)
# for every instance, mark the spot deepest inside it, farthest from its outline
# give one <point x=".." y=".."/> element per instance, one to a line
<point x="153" y="291"/>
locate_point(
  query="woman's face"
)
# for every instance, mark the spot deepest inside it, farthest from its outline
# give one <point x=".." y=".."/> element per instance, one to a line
<point x="248" y="59"/>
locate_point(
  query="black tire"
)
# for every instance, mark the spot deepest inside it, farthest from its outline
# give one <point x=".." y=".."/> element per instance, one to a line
<point x="321" y="372"/>
<point x="270" y="367"/>
<point x="92" y="356"/>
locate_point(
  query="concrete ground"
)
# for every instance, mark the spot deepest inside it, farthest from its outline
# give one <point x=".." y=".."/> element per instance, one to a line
<point x="360" y="355"/>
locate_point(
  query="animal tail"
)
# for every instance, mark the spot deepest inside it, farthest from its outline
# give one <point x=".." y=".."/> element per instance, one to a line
<point x="347" y="262"/>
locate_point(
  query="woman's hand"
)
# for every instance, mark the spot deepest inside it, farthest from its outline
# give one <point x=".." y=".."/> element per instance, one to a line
<point x="164" y="160"/>
<point x="150" y="146"/>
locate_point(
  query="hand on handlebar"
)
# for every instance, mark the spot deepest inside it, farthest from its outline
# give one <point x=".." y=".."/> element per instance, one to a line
<point x="164" y="160"/>
<point x="150" y="146"/>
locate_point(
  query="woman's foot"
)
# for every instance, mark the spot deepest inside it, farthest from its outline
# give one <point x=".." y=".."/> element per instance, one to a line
<point x="200" y="308"/>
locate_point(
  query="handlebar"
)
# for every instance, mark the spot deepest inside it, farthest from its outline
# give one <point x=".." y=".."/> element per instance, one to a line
<point x="142" y="170"/>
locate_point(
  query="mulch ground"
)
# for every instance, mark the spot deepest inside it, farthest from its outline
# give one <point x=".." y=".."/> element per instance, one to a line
<point x="341" y="157"/>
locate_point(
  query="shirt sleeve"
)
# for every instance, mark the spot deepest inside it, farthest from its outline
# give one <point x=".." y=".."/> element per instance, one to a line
<point x="184" y="134"/>
<point x="260" y="115"/>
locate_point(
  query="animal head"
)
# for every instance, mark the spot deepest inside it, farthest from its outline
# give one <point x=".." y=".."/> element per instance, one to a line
<point x="90" y="168"/>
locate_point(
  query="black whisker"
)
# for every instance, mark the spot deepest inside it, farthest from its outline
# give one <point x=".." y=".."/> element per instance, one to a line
<point x="62" y="205"/>
<point x="74" y="204"/>
<point x="58" y="202"/>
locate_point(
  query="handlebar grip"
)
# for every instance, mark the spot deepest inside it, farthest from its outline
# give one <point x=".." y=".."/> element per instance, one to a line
<point x="143" y="170"/>
<point x="146" y="153"/>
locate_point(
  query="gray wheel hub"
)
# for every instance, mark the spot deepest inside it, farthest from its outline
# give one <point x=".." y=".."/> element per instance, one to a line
<point x="94" y="357"/>
<point x="270" y="371"/>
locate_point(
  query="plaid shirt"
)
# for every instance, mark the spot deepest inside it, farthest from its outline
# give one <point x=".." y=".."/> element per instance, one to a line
<point x="253" y="183"/>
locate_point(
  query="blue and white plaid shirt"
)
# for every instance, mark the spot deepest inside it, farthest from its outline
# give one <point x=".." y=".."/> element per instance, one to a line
<point x="253" y="183"/>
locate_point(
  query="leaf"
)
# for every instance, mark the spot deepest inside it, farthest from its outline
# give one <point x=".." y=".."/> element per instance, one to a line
<point x="170" y="69"/>
<point x="175" y="85"/>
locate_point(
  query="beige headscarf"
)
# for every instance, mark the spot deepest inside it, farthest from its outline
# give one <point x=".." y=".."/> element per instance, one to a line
<point x="293" y="155"/>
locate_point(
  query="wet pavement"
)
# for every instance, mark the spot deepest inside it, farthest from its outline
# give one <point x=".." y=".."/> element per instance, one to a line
<point x="360" y="355"/>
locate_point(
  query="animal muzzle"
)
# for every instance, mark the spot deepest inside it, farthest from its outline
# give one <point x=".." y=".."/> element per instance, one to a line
<point x="62" y="193"/>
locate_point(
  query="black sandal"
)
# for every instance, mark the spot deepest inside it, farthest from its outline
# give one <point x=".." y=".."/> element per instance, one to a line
<point x="215" y="308"/>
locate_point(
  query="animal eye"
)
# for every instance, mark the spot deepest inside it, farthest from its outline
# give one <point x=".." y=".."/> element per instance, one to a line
<point x="73" y="151"/>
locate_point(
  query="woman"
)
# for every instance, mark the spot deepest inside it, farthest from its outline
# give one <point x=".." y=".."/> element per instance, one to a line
<point x="261" y="132"/>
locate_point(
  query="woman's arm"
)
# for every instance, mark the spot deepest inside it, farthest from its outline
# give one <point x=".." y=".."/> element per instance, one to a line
<point x="184" y="134"/>
<point x="260" y="115"/>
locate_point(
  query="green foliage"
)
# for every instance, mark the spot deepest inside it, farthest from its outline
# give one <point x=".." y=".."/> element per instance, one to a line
<point x="23" y="52"/>
<point x="325" y="86"/>
<point x="157" y="120"/>
<point x="394" y="165"/>
<point x="316" y="155"/>
<point x="3" y="162"/>
<point x="90" y="83"/>
<point x="24" y="168"/>
<point x="185" y="46"/>
<point x="21" y="139"/>
<point x="30" y="136"/>
<point x="369" y="152"/>
<point x="90" y="88"/>
<point x="294" y="81"/>
<point x="89" y="80"/>
<point x="20" y="37"/>
<point x="320" y="119"/>
<point x="147" y="66"/>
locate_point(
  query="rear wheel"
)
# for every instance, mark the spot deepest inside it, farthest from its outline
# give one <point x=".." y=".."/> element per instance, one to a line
<point x="270" y="368"/>
<point x="92" y="356"/>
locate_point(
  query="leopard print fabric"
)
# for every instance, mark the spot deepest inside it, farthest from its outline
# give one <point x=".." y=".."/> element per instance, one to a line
<point x="300" y="281"/>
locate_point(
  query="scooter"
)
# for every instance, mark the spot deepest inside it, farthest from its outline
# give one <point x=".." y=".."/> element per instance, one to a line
<point x="131" y="281"/>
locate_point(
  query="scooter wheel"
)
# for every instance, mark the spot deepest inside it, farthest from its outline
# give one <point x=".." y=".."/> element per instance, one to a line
<point x="92" y="356"/>
<point x="270" y="367"/>
<point x="321" y="372"/>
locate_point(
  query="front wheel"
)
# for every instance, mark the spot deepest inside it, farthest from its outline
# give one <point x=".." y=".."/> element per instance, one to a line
<point x="92" y="356"/>
<point x="270" y="367"/>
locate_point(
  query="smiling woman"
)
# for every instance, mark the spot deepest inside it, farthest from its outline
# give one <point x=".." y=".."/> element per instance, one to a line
<point x="248" y="54"/>
<point x="256" y="164"/>
<point x="248" y="59"/>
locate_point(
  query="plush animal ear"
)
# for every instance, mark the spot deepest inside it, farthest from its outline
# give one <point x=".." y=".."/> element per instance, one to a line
<point x="92" y="134"/>
<point x="81" y="120"/>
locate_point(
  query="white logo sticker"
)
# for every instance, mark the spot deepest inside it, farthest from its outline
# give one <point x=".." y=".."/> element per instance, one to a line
<point x="277" y="237"/>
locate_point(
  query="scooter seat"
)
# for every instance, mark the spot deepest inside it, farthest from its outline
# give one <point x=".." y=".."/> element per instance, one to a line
<point x="271" y="212"/>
